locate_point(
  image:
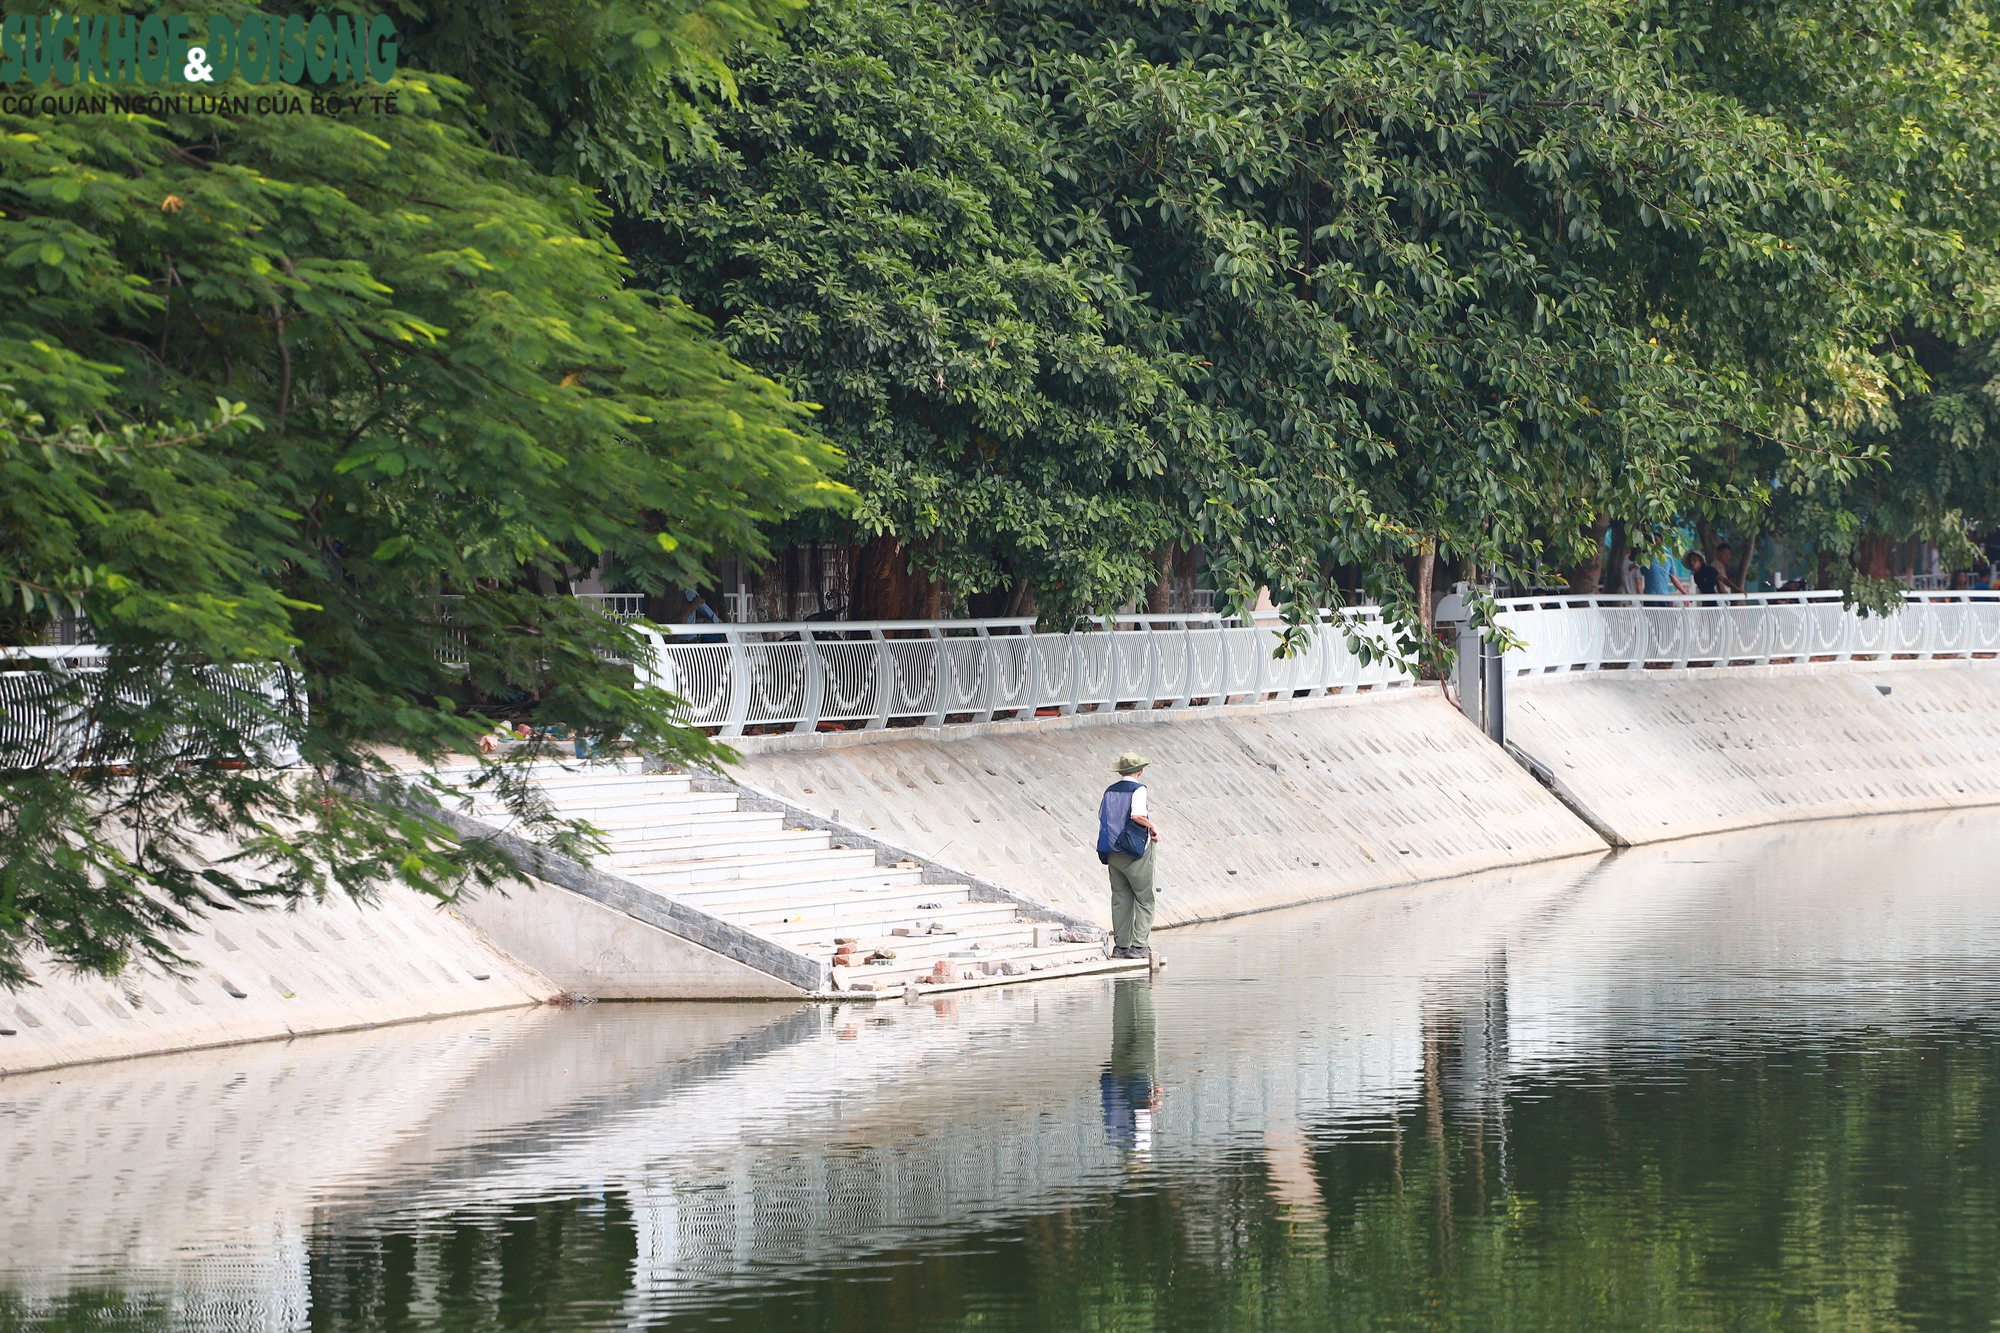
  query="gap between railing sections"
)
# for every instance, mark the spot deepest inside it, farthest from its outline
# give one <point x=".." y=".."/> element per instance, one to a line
<point x="874" y="674"/>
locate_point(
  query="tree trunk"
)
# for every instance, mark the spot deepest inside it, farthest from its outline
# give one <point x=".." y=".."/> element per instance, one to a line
<point x="1588" y="577"/>
<point x="1872" y="554"/>
<point x="1021" y="601"/>
<point x="1708" y="538"/>
<point x="1426" y="573"/>
<point x="1740" y="576"/>
<point x="884" y="587"/>
<point x="1621" y="551"/>
<point x="1160" y="596"/>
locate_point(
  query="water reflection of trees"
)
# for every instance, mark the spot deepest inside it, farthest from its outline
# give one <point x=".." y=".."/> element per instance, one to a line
<point x="1849" y="1186"/>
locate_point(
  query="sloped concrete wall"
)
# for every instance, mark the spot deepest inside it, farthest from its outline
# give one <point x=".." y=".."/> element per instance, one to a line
<point x="1654" y="755"/>
<point x="1260" y="807"/>
<point x="599" y="951"/>
<point x="322" y="967"/>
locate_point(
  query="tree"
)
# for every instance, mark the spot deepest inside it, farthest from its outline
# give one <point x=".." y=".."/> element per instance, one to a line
<point x="434" y="383"/>
<point x="874" y="231"/>
<point x="1460" y="279"/>
<point x="1900" y="99"/>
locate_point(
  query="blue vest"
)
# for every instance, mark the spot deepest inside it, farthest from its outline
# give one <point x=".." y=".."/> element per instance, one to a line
<point x="1116" y="831"/>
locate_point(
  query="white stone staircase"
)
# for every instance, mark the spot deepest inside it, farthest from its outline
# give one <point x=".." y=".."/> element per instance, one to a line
<point x="877" y="928"/>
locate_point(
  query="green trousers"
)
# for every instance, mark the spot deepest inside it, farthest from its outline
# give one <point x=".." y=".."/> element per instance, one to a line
<point x="1132" y="897"/>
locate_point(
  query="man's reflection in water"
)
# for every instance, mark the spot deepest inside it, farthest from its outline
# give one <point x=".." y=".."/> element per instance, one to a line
<point x="1131" y="1096"/>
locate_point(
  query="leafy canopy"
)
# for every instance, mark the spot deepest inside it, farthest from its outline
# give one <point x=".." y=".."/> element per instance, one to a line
<point x="435" y="384"/>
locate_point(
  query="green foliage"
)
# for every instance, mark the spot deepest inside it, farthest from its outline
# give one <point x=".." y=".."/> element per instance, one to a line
<point x="1900" y="101"/>
<point x="604" y="93"/>
<point x="435" y="383"/>
<point x="1417" y="252"/>
<point x="870" y="232"/>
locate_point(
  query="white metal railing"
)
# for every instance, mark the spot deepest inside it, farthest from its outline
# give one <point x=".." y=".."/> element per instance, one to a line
<point x="870" y="673"/>
<point x="1563" y="633"/>
<point x="48" y="718"/>
<point x="617" y="605"/>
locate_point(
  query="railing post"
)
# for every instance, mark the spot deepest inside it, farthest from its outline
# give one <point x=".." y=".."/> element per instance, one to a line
<point x="943" y="677"/>
<point x="1494" y="662"/>
<point x="1263" y="660"/>
<point x="885" y="681"/>
<point x="1181" y="695"/>
<point x="739" y="682"/>
<point x="657" y="671"/>
<point x="813" y="696"/>
<point x="1153" y="665"/>
<point x="1225" y="674"/>
<point x="1031" y="676"/>
<point x="983" y="706"/>
<point x="1073" y="647"/>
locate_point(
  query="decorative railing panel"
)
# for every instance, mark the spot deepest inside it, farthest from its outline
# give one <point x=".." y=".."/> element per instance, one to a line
<point x="799" y="675"/>
<point x="49" y="714"/>
<point x="1560" y="633"/>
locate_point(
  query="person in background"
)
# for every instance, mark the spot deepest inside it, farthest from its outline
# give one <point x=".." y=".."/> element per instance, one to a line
<point x="1631" y="579"/>
<point x="698" y="611"/>
<point x="1725" y="560"/>
<point x="1662" y="581"/>
<point x="1706" y="581"/>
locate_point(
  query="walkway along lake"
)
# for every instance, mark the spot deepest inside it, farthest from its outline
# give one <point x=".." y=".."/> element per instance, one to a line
<point x="1745" y="1080"/>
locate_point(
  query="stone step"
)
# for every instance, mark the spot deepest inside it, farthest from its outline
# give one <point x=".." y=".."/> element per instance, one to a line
<point x="997" y="939"/>
<point x="544" y="770"/>
<point x="726" y="896"/>
<point x="612" y="785"/>
<point x="894" y="976"/>
<point x="664" y="809"/>
<point x="637" y="851"/>
<point x="883" y="907"/>
<point x="616" y="786"/>
<point x="778" y="862"/>
<point x="873" y="928"/>
<point x="636" y="804"/>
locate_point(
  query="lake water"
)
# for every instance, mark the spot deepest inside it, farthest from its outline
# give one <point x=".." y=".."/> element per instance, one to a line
<point x="1751" y="1081"/>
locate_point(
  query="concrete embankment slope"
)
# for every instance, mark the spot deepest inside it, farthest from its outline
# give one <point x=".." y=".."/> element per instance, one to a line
<point x="1259" y="806"/>
<point x="321" y="967"/>
<point x="1654" y="755"/>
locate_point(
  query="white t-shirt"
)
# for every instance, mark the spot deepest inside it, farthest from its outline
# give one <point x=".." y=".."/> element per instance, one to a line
<point x="1139" y="802"/>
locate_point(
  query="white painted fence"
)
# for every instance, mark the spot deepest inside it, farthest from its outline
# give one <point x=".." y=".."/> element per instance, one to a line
<point x="872" y="672"/>
<point x="1562" y="633"/>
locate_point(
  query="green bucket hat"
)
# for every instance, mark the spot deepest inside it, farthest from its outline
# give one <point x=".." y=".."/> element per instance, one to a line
<point x="1129" y="762"/>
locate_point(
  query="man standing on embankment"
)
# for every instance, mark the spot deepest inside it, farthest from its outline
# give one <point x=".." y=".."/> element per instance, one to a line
<point x="1126" y="837"/>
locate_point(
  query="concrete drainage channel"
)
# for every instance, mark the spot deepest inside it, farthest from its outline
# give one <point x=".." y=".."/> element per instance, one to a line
<point x="708" y="892"/>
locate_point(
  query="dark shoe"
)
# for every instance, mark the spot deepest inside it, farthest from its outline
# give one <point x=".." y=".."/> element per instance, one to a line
<point x="1121" y="952"/>
<point x="1138" y="951"/>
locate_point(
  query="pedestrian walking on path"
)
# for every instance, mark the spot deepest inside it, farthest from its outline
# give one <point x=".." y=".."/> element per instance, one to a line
<point x="1126" y="837"/>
